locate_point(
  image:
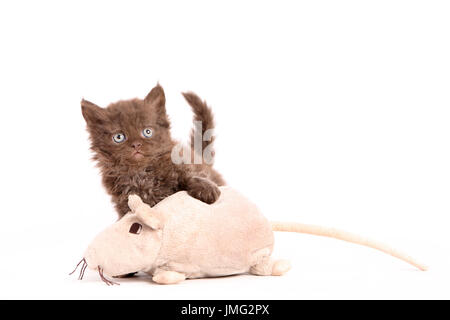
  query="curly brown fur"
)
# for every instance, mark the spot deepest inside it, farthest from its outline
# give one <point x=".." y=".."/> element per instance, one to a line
<point x="140" y="165"/>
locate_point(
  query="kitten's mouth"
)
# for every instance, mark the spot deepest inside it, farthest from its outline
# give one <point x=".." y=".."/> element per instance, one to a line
<point x="137" y="155"/>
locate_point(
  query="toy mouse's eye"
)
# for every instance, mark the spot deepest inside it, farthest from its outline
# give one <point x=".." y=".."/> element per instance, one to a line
<point x="119" y="137"/>
<point x="147" y="132"/>
<point x="136" y="228"/>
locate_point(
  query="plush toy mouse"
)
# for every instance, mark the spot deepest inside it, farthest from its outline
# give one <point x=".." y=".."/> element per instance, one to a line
<point x="182" y="237"/>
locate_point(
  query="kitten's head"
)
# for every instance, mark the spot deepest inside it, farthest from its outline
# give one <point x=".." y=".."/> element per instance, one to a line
<point x="129" y="132"/>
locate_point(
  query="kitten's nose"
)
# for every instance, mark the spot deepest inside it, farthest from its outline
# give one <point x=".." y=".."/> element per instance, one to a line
<point x="136" y="145"/>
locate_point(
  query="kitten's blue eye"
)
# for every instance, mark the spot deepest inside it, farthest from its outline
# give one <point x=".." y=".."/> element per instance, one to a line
<point x="119" y="138"/>
<point x="147" y="132"/>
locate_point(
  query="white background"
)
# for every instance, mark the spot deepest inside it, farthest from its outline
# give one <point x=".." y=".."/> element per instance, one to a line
<point x="328" y="112"/>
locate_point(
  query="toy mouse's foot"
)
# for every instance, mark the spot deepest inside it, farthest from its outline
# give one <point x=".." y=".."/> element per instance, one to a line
<point x="168" y="277"/>
<point x="270" y="267"/>
<point x="280" y="267"/>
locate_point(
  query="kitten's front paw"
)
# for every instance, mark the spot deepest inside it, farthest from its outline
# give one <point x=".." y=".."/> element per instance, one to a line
<point x="203" y="190"/>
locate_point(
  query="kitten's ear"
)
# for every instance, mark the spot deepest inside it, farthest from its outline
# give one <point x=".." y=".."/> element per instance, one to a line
<point x="93" y="114"/>
<point x="156" y="102"/>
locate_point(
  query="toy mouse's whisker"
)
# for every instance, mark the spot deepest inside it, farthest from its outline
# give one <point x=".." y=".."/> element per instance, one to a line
<point x="107" y="281"/>
<point x="83" y="268"/>
<point x="82" y="260"/>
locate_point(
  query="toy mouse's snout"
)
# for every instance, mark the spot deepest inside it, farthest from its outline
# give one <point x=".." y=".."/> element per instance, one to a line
<point x="130" y="245"/>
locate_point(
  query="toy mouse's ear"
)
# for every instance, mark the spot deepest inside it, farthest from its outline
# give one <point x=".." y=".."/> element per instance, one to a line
<point x="134" y="202"/>
<point x="144" y="212"/>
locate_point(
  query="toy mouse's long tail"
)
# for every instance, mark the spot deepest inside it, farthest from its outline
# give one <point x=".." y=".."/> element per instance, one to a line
<point x="345" y="236"/>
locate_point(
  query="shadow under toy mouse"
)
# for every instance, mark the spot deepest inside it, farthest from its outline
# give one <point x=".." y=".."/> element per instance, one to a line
<point x="182" y="237"/>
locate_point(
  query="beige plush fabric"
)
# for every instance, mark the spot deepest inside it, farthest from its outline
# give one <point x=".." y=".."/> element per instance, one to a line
<point x="182" y="237"/>
<point x="188" y="237"/>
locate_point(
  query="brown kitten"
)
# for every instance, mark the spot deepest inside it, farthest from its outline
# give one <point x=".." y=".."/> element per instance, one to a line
<point x="132" y="146"/>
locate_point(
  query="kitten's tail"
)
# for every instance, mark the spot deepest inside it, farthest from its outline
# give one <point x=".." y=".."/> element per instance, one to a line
<point x="345" y="236"/>
<point x="204" y="116"/>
